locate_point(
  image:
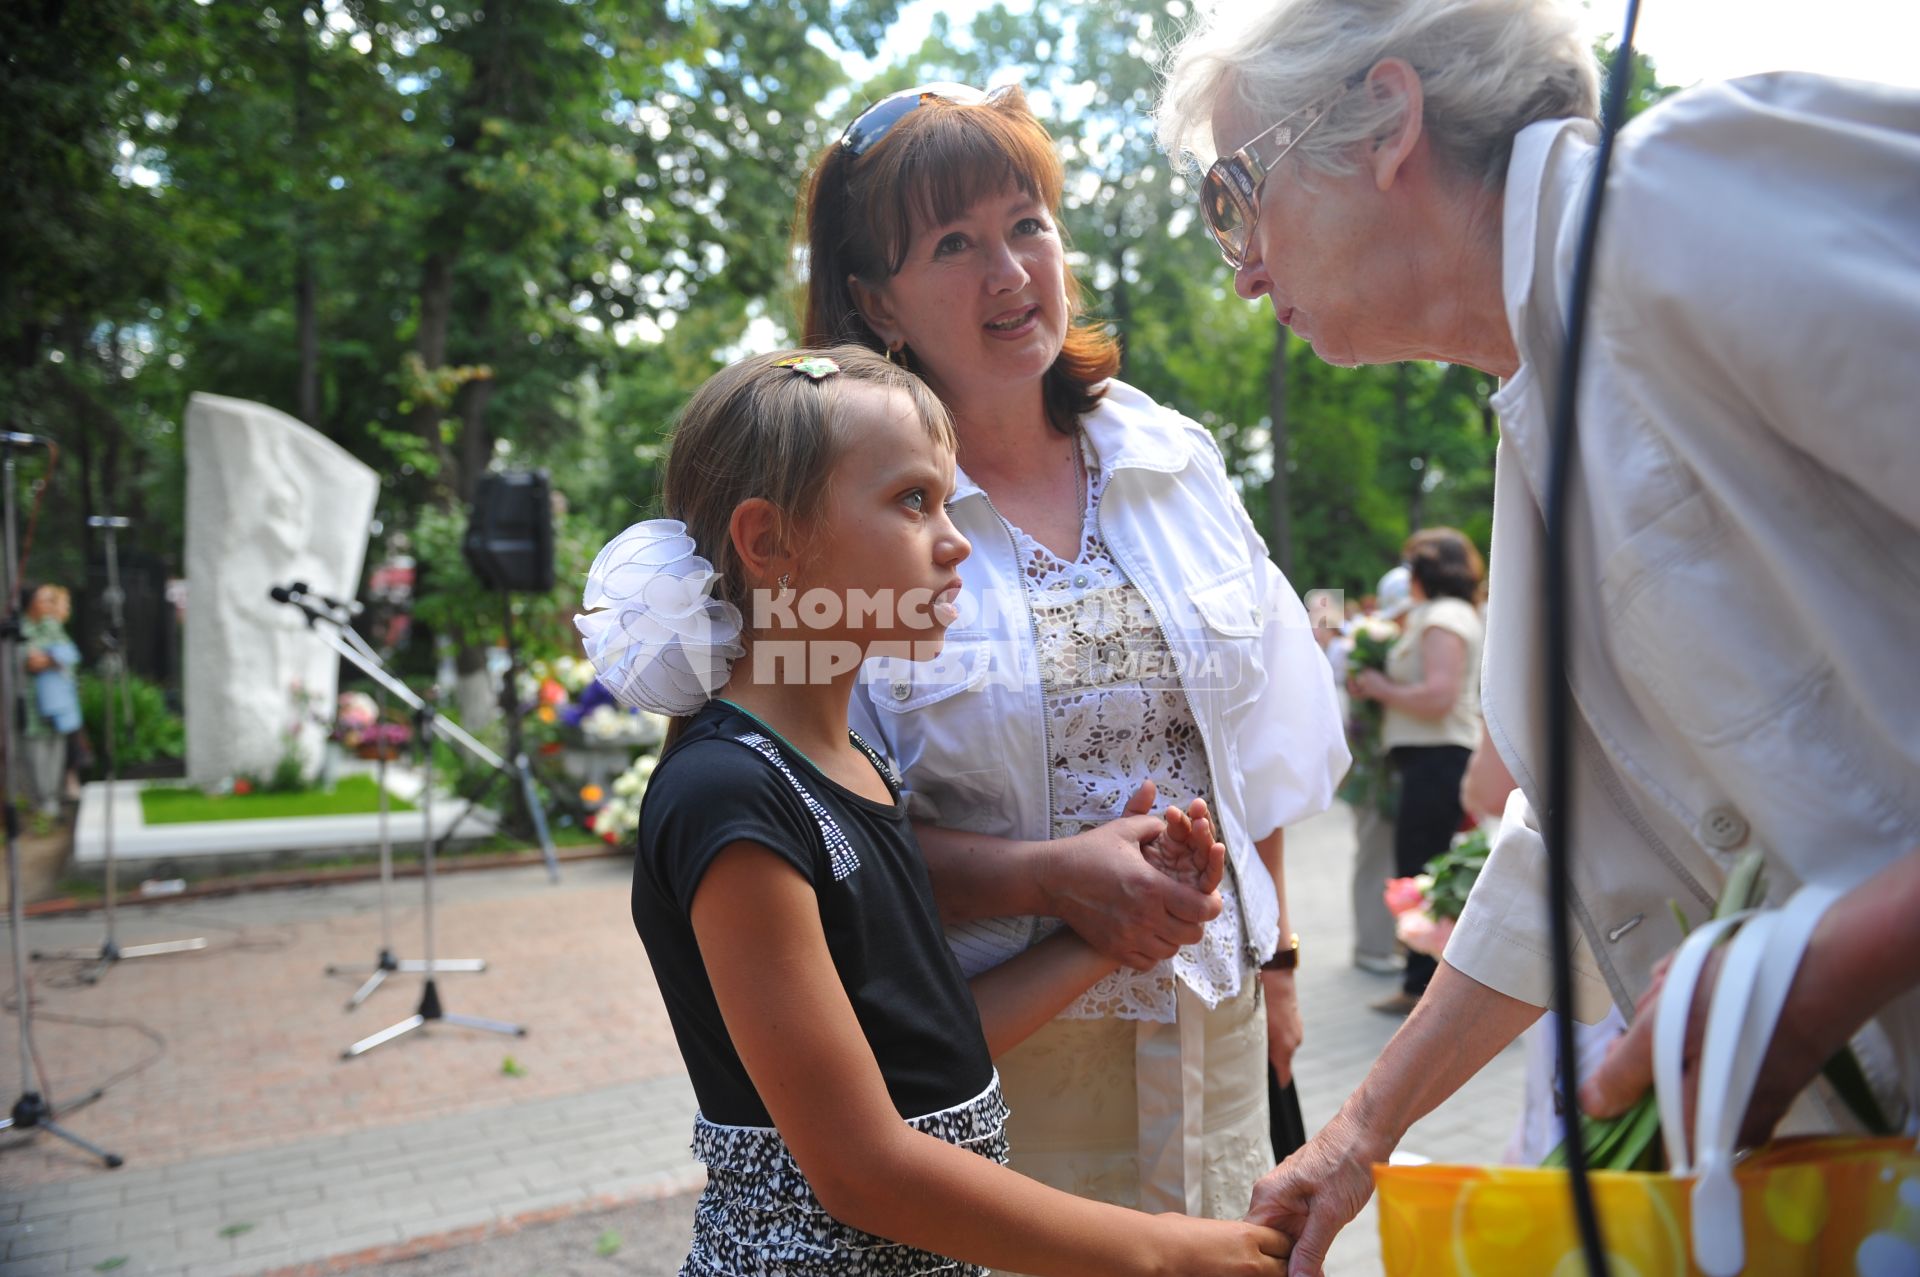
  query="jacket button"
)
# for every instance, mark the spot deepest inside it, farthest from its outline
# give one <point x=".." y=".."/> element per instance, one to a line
<point x="1723" y="828"/>
<point x="902" y="690"/>
<point x="1256" y="615"/>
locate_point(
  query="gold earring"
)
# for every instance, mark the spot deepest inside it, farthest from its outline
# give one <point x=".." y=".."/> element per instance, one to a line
<point x="896" y="353"/>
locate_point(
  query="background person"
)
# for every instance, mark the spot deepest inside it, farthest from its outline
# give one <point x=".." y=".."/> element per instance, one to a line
<point x="1736" y="492"/>
<point x="54" y="739"/>
<point x="1371" y="790"/>
<point x="1111" y="555"/>
<point x="1431" y="693"/>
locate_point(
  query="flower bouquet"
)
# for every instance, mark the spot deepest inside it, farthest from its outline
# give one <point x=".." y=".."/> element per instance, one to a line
<point x="1372" y="638"/>
<point x="618" y="818"/>
<point x="1369" y="781"/>
<point x="357" y="726"/>
<point x="1426" y="907"/>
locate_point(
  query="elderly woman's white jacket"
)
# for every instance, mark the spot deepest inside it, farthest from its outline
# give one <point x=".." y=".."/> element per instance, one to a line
<point x="968" y="729"/>
<point x="1747" y="529"/>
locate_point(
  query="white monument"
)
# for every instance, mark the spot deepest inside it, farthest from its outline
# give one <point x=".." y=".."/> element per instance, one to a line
<point x="269" y="501"/>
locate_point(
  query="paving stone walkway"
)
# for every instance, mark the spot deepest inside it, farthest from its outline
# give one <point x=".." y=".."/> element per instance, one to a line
<point x="252" y="1147"/>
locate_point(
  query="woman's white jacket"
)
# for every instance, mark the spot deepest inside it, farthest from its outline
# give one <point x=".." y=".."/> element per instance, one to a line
<point x="968" y="729"/>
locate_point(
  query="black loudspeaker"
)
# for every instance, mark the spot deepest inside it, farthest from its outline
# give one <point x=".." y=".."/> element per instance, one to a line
<point x="509" y="542"/>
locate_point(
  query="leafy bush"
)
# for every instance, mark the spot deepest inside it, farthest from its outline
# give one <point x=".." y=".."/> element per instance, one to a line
<point x="151" y="733"/>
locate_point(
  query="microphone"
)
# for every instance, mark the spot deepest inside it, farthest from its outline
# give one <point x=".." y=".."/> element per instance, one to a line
<point x="312" y="602"/>
<point x="352" y="607"/>
<point x="17" y="439"/>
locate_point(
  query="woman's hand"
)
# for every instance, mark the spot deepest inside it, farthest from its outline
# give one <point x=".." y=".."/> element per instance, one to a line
<point x="1285" y="1031"/>
<point x="1369" y="685"/>
<point x="1315" y="1193"/>
<point x="1864" y="953"/>
<point x="1100" y="884"/>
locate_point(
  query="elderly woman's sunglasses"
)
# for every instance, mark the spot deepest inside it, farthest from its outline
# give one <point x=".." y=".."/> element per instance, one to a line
<point x="1230" y="192"/>
<point x="876" y="120"/>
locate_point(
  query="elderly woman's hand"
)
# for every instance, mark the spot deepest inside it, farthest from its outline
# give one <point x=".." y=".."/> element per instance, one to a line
<point x="1316" y="1192"/>
<point x="1101" y="884"/>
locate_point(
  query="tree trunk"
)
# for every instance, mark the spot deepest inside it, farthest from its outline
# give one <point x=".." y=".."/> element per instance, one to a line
<point x="305" y="290"/>
<point x="1417" y="489"/>
<point x="1279" y="502"/>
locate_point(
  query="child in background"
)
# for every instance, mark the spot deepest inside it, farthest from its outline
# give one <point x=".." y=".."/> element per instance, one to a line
<point x="56" y="746"/>
<point x="842" y="1063"/>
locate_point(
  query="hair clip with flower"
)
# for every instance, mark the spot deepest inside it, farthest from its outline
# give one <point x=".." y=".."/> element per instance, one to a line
<point x="818" y="367"/>
<point x="653" y="630"/>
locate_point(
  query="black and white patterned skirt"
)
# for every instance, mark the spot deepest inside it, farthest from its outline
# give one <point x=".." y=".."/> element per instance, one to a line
<point x="758" y="1216"/>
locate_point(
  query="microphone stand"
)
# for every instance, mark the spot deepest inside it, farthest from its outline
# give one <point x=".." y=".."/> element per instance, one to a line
<point x="31" y="1111"/>
<point x="427" y="724"/>
<point x="385" y="964"/>
<point x="113" y="670"/>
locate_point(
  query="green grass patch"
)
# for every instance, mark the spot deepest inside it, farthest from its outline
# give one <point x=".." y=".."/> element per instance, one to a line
<point x="352" y="796"/>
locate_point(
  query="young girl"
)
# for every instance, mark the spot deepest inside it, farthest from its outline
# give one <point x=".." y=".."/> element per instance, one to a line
<point x="783" y="901"/>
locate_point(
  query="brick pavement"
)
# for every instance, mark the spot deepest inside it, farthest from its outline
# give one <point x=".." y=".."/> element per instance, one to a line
<point x="251" y="1146"/>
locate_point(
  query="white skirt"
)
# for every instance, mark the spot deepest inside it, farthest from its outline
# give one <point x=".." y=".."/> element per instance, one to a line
<point x="1155" y="1117"/>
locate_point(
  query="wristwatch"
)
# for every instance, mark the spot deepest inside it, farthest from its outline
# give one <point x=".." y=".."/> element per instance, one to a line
<point x="1286" y="958"/>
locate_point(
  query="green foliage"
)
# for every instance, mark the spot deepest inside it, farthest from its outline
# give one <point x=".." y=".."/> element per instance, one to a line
<point x="465" y="233"/>
<point x="1454" y="872"/>
<point x="150" y="733"/>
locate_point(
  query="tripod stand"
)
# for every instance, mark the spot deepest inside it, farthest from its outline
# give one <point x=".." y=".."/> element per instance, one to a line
<point x="317" y="608"/>
<point x="114" y="675"/>
<point x="386" y="964"/>
<point x="430" y="1009"/>
<point x="31" y="1111"/>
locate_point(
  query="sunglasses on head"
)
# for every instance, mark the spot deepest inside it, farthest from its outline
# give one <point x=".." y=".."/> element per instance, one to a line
<point x="1230" y="192"/>
<point x="876" y="120"/>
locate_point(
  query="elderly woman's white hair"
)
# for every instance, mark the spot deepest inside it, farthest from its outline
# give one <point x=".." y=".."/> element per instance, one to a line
<point x="1488" y="68"/>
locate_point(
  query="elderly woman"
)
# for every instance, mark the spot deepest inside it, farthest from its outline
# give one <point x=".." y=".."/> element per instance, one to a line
<point x="1403" y="179"/>
<point x="1122" y="635"/>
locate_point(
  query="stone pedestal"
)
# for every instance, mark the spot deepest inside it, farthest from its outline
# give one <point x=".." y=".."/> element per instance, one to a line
<point x="269" y="501"/>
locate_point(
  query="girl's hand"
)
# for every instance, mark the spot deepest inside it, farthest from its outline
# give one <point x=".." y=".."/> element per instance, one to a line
<point x="1221" y="1248"/>
<point x="1187" y="852"/>
<point x="1099" y="884"/>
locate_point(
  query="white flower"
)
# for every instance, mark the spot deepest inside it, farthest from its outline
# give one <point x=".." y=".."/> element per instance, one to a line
<point x="619" y="817"/>
<point x="652" y="629"/>
<point x="1379" y="629"/>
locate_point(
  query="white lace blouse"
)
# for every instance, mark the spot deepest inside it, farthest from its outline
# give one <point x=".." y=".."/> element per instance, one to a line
<point x="1117" y="716"/>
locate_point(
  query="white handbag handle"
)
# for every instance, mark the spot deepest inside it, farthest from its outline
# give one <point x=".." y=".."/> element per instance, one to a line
<point x="1761" y="962"/>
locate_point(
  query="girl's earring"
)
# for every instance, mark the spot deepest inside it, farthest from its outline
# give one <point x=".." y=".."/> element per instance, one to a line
<point x="784" y="578"/>
<point x="896" y="353"/>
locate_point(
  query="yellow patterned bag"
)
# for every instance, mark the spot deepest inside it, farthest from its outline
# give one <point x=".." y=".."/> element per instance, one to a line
<point x="1823" y="1207"/>
<point x="1809" y="1208"/>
